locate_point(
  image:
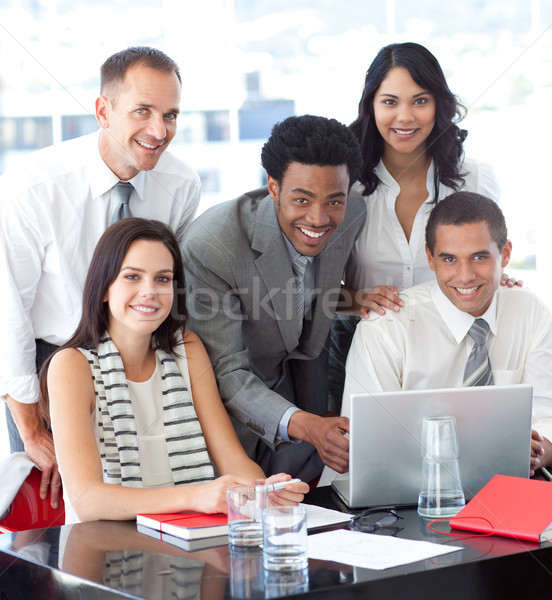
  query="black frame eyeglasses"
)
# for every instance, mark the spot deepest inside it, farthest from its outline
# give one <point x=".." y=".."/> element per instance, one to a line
<point x="377" y="520"/>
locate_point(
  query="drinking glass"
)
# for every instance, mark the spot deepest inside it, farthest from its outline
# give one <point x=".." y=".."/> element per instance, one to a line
<point x="441" y="493"/>
<point x="285" y="538"/>
<point x="245" y="509"/>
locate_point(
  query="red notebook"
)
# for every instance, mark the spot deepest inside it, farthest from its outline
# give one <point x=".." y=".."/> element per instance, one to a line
<point x="511" y="506"/>
<point x="187" y="525"/>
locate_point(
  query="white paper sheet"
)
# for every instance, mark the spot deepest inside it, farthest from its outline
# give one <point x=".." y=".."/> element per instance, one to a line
<point x="371" y="551"/>
<point x="317" y="516"/>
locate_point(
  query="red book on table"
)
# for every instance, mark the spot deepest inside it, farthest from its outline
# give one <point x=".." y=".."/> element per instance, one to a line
<point x="186" y="525"/>
<point x="511" y="506"/>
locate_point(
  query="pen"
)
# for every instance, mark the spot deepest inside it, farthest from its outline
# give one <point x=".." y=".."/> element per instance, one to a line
<point x="546" y="473"/>
<point x="277" y="487"/>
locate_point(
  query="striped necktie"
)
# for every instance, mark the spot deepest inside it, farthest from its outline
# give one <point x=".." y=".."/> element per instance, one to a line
<point x="122" y="192"/>
<point x="478" y="368"/>
<point x="299" y="267"/>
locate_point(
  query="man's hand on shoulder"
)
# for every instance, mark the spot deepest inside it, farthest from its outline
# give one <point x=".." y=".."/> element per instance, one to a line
<point x="39" y="446"/>
<point x="326" y="434"/>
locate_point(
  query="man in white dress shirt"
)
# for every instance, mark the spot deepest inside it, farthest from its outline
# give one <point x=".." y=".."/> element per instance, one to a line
<point x="54" y="206"/>
<point x="426" y="345"/>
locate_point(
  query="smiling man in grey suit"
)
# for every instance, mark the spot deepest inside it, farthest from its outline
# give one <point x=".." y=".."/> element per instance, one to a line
<point x="263" y="279"/>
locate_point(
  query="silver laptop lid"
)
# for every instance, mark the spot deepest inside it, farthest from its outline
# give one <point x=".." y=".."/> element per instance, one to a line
<point x="493" y="428"/>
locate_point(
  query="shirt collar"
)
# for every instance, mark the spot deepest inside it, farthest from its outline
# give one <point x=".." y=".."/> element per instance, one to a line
<point x="430" y="183"/>
<point x="292" y="252"/>
<point x="101" y="177"/>
<point x="384" y="176"/>
<point x="387" y="179"/>
<point x="459" y="322"/>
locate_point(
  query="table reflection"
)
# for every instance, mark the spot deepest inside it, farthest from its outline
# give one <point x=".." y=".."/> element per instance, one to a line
<point x="116" y="555"/>
<point x="250" y="580"/>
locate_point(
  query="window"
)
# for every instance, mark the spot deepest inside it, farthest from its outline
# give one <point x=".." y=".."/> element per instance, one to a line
<point x="246" y="64"/>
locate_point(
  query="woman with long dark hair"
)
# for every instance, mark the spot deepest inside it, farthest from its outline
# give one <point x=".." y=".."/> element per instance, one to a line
<point x="413" y="156"/>
<point x="132" y="396"/>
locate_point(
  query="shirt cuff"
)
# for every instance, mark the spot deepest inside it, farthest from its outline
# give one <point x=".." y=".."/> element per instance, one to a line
<point x="23" y="389"/>
<point x="283" y="426"/>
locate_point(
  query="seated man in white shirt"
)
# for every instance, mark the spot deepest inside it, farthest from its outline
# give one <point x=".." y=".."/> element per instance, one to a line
<point x="426" y="345"/>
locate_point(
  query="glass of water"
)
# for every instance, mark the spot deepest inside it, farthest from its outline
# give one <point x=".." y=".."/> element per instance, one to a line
<point x="285" y="538"/>
<point x="245" y="514"/>
<point x="441" y="493"/>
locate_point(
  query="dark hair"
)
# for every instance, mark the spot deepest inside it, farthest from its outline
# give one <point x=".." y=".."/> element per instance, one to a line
<point x="444" y="143"/>
<point x="462" y="208"/>
<point x="104" y="267"/>
<point x="310" y="140"/>
<point x="115" y="67"/>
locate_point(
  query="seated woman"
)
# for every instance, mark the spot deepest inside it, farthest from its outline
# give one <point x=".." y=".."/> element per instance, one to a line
<point x="132" y="396"/>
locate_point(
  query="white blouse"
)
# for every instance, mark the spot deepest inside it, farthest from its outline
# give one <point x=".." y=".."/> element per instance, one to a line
<point x="382" y="255"/>
<point x="147" y="404"/>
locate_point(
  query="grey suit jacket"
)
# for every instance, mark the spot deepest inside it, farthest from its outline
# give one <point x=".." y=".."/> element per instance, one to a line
<point x="239" y="285"/>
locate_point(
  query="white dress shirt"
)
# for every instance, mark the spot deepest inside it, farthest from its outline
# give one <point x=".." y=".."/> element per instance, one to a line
<point x="382" y="255"/>
<point x="425" y="346"/>
<point x="54" y="206"/>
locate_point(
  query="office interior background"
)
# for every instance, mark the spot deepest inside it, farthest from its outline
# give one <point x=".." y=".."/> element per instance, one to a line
<point x="247" y="64"/>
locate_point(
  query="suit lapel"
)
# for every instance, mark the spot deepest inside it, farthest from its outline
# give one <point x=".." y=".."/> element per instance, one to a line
<point x="275" y="270"/>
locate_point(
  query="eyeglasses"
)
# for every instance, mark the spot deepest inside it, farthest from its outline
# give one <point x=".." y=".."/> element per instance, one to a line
<point x="378" y="519"/>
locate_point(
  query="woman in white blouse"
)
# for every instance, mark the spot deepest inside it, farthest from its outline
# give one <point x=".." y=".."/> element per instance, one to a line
<point x="412" y="157"/>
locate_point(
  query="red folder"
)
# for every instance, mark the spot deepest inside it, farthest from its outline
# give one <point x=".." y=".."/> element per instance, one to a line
<point x="510" y="506"/>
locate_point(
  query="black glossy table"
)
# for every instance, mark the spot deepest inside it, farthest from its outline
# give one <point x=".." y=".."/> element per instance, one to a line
<point x="107" y="560"/>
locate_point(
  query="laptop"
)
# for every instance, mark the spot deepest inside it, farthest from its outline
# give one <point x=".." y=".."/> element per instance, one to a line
<point x="493" y="427"/>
